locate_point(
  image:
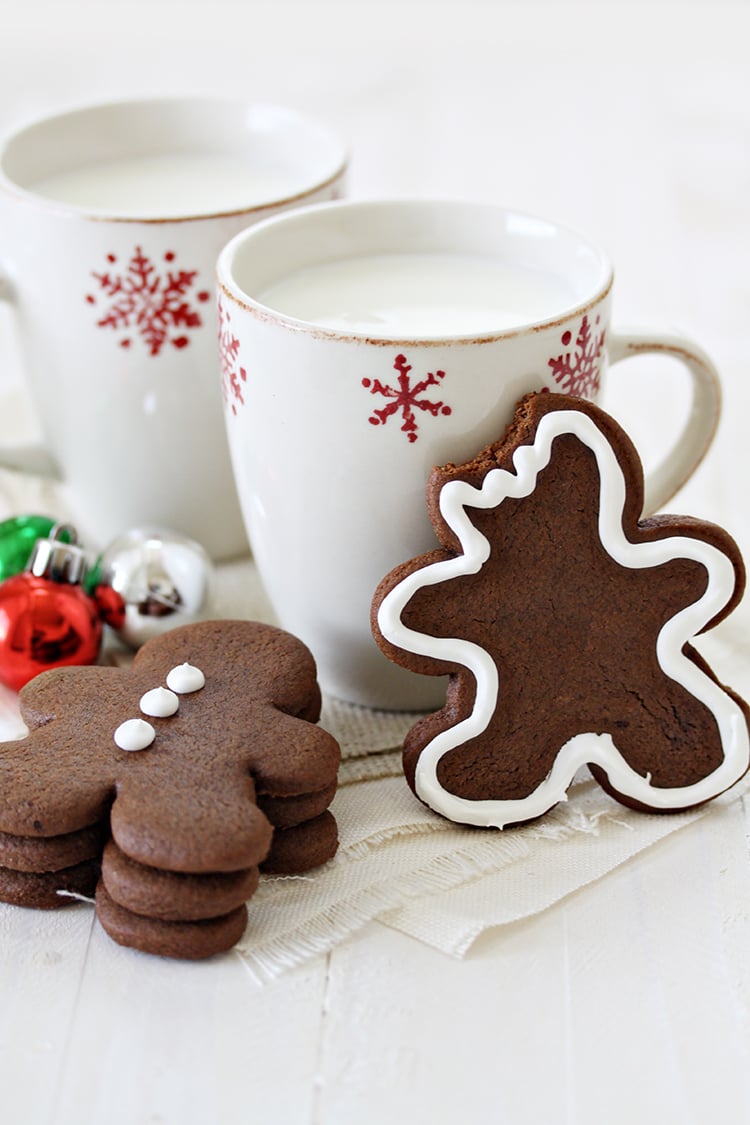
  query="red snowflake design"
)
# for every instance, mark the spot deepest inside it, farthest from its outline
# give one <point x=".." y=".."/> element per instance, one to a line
<point x="579" y="373"/>
<point x="147" y="302"/>
<point x="405" y="398"/>
<point x="232" y="376"/>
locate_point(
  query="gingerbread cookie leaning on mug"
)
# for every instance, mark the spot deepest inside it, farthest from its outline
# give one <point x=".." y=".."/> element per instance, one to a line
<point x="564" y="622"/>
<point x="203" y="763"/>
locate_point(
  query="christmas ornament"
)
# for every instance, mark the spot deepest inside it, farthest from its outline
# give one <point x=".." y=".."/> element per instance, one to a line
<point x="46" y="617"/>
<point x="149" y="580"/>
<point x="18" y="537"/>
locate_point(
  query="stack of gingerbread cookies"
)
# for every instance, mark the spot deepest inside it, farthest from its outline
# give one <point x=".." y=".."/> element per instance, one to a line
<point x="180" y="777"/>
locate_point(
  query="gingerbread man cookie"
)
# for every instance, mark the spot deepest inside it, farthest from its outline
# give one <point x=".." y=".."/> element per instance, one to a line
<point x="203" y="764"/>
<point x="564" y="623"/>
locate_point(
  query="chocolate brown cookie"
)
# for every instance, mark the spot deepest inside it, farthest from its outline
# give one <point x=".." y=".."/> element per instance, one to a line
<point x="190" y="941"/>
<point x="174" y="896"/>
<point x="53" y="853"/>
<point x="564" y="621"/>
<point x="172" y="756"/>
<point x="49" y="890"/>
<point x="303" y="847"/>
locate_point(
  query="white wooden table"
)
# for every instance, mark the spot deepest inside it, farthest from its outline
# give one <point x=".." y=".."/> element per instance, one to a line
<point x="629" y="1001"/>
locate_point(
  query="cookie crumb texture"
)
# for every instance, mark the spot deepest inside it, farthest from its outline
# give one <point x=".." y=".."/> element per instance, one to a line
<point x="171" y="839"/>
<point x="564" y="621"/>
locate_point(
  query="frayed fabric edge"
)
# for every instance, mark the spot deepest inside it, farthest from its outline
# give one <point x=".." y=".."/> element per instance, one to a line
<point x="337" y="921"/>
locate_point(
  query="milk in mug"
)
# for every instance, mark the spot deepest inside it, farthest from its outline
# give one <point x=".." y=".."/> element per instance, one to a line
<point x="428" y="295"/>
<point x="172" y="184"/>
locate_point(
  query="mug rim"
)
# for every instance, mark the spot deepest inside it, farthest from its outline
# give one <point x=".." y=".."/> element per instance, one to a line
<point x="136" y="104"/>
<point x="228" y="286"/>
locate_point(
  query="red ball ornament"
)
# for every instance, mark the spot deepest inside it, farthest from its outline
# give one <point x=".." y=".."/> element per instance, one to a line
<point x="46" y="618"/>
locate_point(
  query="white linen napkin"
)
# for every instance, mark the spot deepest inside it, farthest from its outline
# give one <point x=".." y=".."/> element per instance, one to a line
<point x="400" y="863"/>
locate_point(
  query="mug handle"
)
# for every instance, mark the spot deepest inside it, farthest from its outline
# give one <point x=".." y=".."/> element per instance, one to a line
<point x="33" y="457"/>
<point x="692" y="443"/>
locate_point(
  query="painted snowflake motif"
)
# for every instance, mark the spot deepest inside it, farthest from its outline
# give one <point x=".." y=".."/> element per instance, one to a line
<point x="579" y="373"/>
<point x="406" y="398"/>
<point x="144" y="301"/>
<point x="232" y="376"/>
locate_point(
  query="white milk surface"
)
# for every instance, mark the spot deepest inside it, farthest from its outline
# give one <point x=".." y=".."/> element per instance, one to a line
<point x="168" y="185"/>
<point x="419" y="295"/>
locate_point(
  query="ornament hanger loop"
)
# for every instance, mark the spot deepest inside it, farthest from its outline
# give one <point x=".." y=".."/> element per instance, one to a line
<point x="59" y="561"/>
<point x="60" y="529"/>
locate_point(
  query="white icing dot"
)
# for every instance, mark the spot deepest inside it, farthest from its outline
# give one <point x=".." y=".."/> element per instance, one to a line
<point x="185" y="678"/>
<point x="159" y="702"/>
<point x="134" y="734"/>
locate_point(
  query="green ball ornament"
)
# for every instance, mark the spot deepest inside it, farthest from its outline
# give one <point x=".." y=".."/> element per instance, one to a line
<point x="18" y="537"/>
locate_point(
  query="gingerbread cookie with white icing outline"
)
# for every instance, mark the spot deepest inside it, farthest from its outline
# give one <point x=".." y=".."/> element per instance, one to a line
<point x="564" y="623"/>
<point x="189" y="758"/>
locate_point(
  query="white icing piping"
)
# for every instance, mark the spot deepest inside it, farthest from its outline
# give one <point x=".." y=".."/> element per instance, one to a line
<point x="159" y="703"/>
<point x="134" y="735"/>
<point x="185" y="679"/>
<point x="587" y="747"/>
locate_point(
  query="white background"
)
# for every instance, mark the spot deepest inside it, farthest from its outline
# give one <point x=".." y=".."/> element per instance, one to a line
<point x="630" y="122"/>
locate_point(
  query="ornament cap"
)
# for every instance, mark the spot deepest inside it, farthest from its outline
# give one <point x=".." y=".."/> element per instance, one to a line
<point x="59" y="561"/>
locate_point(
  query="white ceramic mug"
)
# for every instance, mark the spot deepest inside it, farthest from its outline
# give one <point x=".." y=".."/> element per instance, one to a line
<point x="363" y="343"/>
<point x="111" y="220"/>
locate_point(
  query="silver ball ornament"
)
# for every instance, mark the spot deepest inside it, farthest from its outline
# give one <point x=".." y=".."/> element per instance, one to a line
<point x="163" y="578"/>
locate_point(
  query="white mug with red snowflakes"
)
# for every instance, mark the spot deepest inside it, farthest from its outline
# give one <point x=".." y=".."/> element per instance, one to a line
<point x="111" y="220"/>
<point x="362" y="343"/>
